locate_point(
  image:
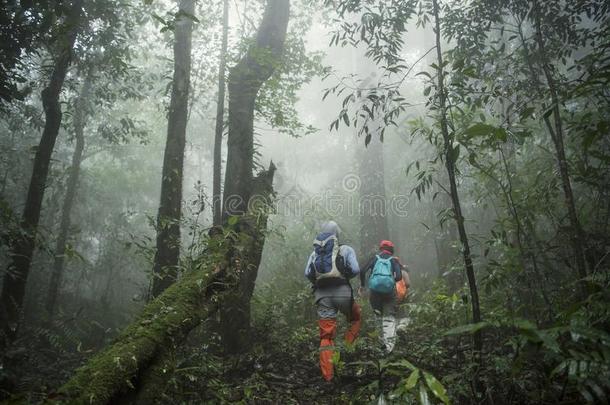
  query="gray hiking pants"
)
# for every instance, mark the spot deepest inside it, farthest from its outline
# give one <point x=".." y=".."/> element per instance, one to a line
<point x="384" y="306"/>
<point x="332" y="300"/>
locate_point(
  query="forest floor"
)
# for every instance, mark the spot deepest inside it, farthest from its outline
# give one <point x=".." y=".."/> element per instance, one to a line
<point x="276" y="374"/>
<point x="281" y="366"/>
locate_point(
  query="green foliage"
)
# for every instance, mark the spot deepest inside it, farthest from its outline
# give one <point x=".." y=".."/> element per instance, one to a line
<point x="417" y="385"/>
<point x="276" y="101"/>
<point x="543" y="341"/>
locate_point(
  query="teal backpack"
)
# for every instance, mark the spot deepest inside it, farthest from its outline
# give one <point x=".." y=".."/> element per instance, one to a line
<point x="382" y="280"/>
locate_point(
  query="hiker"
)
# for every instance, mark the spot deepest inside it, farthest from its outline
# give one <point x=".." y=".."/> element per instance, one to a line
<point x="329" y="268"/>
<point x="386" y="272"/>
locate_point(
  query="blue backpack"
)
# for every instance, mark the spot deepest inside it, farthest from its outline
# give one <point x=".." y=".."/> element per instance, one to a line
<point x="326" y="250"/>
<point x="382" y="280"/>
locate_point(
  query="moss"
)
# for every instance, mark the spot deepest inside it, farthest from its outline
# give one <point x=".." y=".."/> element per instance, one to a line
<point x="115" y="370"/>
<point x="135" y="361"/>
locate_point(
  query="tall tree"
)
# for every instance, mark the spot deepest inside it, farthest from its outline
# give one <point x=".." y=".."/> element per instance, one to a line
<point x="450" y="152"/>
<point x="22" y="247"/>
<point x="577" y="235"/>
<point x="245" y="80"/>
<point x="220" y="107"/>
<point x="372" y="207"/>
<point x="80" y="120"/>
<point x="373" y="215"/>
<point x="170" y="207"/>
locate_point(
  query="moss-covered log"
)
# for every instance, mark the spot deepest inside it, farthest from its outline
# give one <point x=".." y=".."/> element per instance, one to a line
<point x="132" y="368"/>
<point x="114" y="372"/>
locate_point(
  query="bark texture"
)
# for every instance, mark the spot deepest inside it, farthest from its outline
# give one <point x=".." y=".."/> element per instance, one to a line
<point x="245" y="80"/>
<point x="235" y="311"/>
<point x="136" y="367"/>
<point x="80" y="113"/>
<point x="170" y="206"/>
<point x="22" y="247"/>
<point x="220" y="108"/>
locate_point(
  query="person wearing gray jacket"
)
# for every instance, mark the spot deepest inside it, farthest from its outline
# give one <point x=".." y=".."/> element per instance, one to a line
<point x="329" y="268"/>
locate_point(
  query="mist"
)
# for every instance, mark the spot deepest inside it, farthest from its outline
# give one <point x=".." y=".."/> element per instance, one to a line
<point x="169" y="171"/>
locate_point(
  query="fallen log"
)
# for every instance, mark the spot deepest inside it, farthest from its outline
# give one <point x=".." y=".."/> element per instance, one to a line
<point x="113" y="373"/>
<point x="136" y="366"/>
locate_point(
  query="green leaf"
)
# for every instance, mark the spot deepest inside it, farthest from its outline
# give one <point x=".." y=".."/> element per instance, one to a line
<point x="472" y="159"/>
<point x="412" y="380"/>
<point x="482" y="130"/>
<point x="479" y="129"/>
<point x="402" y="363"/>
<point x="470" y="72"/>
<point x="500" y="134"/>
<point x="158" y="18"/>
<point x="524" y="324"/>
<point x="436" y="387"/>
<point x="424" y="74"/>
<point x="528" y="112"/>
<point x="468" y="328"/>
<point x="454" y="153"/>
<point x="346" y="119"/>
<point x="423" y="395"/>
<point x="233" y="220"/>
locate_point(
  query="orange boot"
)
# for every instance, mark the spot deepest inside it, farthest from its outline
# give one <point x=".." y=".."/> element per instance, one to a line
<point x="328" y="331"/>
<point x="355" y="320"/>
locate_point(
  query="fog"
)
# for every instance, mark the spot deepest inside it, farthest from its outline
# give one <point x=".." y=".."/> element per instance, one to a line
<point x="472" y="135"/>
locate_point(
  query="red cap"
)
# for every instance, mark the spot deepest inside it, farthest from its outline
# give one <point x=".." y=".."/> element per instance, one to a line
<point x="385" y="244"/>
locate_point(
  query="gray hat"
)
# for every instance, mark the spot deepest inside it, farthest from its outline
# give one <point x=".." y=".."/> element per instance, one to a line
<point x="330" y="227"/>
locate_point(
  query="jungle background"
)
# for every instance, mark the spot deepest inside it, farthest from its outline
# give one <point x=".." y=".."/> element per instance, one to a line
<point x="165" y="167"/>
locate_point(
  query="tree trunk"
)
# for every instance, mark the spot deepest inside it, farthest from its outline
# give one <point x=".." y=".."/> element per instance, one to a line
<point x="450" y="161"/>
<point x="168" y="219"/>
<point x="135" y="367"/>
<point x="220" y="107"/>
<point x="372" y="207"/>
<point x="22" y="247"/>
<point x="245" y="80"/>
<point x="446" y="236"/>
<point x="577" y="235"/>
<point x="80" y="113"/>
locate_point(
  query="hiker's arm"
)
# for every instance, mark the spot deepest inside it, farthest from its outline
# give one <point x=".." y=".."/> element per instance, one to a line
<point x="405" y="276"/>
<point x="397" y="270"/>
<point x="349" y="255"/>
<point x="366" y="269"/>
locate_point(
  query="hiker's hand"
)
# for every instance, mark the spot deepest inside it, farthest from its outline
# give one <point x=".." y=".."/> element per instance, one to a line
<point x="363" y="292"/>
